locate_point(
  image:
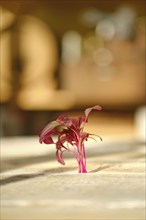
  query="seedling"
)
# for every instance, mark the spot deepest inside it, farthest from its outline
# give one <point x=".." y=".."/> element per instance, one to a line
<point x="70" y="137"/>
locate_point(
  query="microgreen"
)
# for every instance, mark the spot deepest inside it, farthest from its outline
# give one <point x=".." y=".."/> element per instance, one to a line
<point x="70" y="137"/>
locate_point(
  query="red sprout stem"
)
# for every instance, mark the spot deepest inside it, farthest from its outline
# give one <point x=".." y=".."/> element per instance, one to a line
<point x="82" y="158"/>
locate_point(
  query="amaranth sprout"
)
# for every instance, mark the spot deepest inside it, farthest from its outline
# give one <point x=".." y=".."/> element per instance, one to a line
<point x="71" y="131"/>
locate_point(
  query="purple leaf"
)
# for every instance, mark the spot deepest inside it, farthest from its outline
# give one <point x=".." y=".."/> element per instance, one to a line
<point x="69" y="130"/>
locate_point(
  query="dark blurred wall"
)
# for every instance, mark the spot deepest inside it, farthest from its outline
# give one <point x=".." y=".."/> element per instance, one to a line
<point x="65" y="55"/>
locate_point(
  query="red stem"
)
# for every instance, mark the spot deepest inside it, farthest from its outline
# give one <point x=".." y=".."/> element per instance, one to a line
<point x="82" y="158"/>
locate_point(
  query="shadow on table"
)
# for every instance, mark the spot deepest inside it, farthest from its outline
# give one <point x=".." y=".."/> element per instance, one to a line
<point x="104" y="150"/>
<point x="22" y="177"/>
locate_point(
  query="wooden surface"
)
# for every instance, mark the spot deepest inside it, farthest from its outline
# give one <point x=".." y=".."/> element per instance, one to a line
<point x="35" y="186"/>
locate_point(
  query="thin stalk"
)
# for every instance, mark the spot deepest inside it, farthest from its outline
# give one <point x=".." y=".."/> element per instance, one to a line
<point x="82" y="158"/>
<point x="84" y="154"/>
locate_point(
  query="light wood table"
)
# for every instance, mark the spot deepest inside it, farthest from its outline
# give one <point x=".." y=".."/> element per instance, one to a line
<point x="35" y="186"/>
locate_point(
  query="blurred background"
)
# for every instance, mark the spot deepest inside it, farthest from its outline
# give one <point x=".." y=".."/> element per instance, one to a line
<point x="64" y="56"/>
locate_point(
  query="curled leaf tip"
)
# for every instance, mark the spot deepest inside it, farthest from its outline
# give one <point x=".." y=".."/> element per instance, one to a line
<point x="98" y="107"/>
